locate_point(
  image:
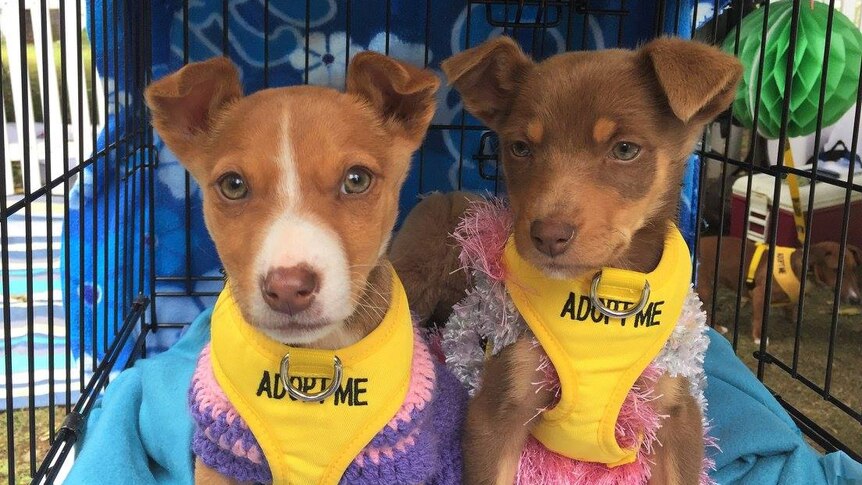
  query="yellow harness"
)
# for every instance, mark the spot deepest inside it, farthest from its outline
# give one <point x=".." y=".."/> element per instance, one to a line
<point x="313" y="441"/>
<point x="597" y="357"/>
<point x="782" y="269"/>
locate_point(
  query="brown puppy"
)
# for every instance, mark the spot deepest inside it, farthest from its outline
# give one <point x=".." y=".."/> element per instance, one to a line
<point x="427" y="231"/>
<point x="593" y="147"/>
<point x="300" y="188"/>
<point x="823" y="258"/>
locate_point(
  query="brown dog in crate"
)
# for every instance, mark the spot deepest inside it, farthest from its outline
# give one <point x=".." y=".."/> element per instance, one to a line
<point x="580" y="334"/>
<point x="315" y="372"/>
<point x="823" y="259"/>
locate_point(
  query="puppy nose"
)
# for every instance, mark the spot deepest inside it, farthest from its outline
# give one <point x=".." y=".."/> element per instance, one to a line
<point x="550" y="237"/>
<point x="290" y="290"/>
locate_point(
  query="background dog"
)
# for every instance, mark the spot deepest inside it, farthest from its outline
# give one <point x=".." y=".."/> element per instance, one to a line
<point x="300" y="188"/>
<point x="593" y="147"/>
<point x="823" y="258"/>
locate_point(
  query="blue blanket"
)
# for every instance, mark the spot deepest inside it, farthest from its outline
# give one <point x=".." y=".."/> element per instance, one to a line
<point x="140" y="432"/>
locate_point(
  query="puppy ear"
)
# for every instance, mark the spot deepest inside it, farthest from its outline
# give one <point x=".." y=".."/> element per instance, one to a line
<point x="698" y="80"/>
<point x="817" y="260"/>
<point x="856" y="253"/>
<point x="487" y="77"/>
<point x="185" y="103"/>
<point x="402" y="94"/>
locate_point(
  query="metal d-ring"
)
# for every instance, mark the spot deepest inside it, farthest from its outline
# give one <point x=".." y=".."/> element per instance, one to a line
<point x="616" y="313"/>
<point x="337" y="372"/>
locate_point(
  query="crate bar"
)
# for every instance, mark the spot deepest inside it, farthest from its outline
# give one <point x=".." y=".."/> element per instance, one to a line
<point x="388" y="27"/>
<point x="772" y="359"/>
<point x="265" y="43"/>
<point x="539" y="23"/>
<point x="105" y="163"/>
<point x="149" y="176"/>
<point x="347" y="9"/>
<point x="809" y="217"/>
<point x="723" y="187"/>
<point x="426" y="41"/>
<point x="82" y="88"/>
<point x="225" y="36"/>
<point x="833" y="329"/>
<point x="49" y="226"/>
<point x="818" y="434"/>
<point x="307" y="33"/>
<point x="187" y="202"/>
<point x="585" y="27"/>
<point x="461" y="123"/>
<point x="750" y="166"/>
<point x="126" y="267"/>
<point x="74" y="422"/>
<point x="783" y="171"/>
<point x="776" y="193"/>
<point x="94" y="248"/>
<point x="620" y="27"/>
<point x="7" y="311"/>
<point x="28" y="231"/>
<point x="67" y="252"/>
<point x="120" y="147"/>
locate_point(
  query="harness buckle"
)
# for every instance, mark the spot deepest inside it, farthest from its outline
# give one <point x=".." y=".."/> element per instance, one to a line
<point x="594" y="287"/>
<point x="299" y="394"/>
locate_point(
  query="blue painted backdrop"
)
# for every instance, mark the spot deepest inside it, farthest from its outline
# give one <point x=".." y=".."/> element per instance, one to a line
<point x="333" y="31"/>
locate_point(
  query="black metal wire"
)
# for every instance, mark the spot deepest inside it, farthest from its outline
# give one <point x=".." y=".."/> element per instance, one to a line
<point x="134" y="150"/>
<point x="776" y="195"/>
<point x="7" y="312"/>
<point x="67" y="251"/>
<point x="809" y="219"/>
<point x="28" y="235"/>
<point x="49" y="229"/>
<point x="833" y="328"/>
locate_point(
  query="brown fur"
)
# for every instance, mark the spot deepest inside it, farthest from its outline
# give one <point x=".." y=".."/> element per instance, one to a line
<point x="823" y="258"/>
<point x="377" y="123"/>
<point x="658" y="97"/>
<point x="427" y="231"/>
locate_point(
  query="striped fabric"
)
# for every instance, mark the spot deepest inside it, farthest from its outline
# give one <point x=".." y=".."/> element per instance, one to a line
<point x="45" y="345"/>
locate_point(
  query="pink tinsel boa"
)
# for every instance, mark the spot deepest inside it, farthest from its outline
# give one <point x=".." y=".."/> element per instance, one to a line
<point x="482" y="235"/>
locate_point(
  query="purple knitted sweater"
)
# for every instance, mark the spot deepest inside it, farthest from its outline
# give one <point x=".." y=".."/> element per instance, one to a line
<point x="421" y="444"/>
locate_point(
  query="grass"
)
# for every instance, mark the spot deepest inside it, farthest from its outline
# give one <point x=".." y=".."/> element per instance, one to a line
<point x="22" y="441"/>
<point x="812" y="359"/>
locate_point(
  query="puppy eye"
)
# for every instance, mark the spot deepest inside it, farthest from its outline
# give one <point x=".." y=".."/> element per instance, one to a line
<point x="626" y="151"/>
<point x="233" y="186"/>
<point x="520" y="149"/>
<point x="356" y="181"/>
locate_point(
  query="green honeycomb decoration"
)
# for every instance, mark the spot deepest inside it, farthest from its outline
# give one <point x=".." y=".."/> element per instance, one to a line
<point x="845" y="55"/>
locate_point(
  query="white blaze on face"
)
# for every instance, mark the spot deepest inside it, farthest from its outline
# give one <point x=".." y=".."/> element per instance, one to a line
<point x="297" y="237"/>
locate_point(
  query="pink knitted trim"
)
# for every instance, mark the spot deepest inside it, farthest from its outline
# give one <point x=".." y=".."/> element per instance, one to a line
<point x="210" y="398"/>
<point x="373" y="455"/>
<point x="637" y="418"/>
<point x="422" y="380"/>
<point x="482" y="234"/>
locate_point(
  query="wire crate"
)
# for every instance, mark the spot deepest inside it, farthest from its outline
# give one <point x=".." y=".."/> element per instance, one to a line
<point x="105" y="258"/>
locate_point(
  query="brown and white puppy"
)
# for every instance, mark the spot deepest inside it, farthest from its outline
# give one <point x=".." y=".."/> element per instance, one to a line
<point x="300" y="188"/>
<point x="593" y="147"/>
<point x="823" y="259"/>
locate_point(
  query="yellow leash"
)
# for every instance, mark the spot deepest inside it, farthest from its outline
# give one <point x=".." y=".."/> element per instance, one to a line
<point x="793" y="185"/>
